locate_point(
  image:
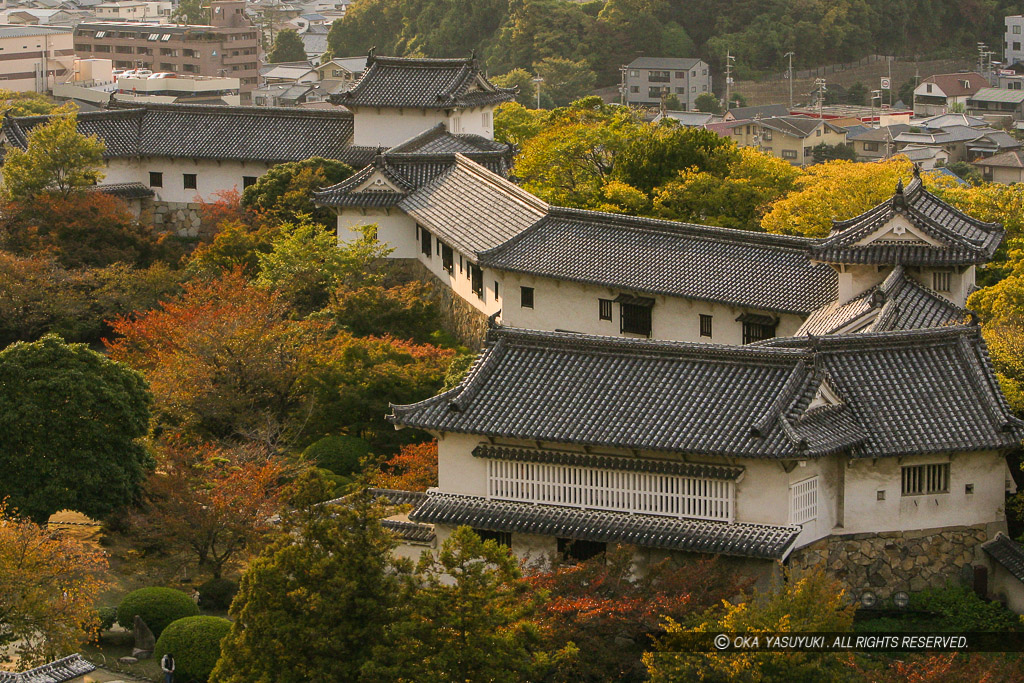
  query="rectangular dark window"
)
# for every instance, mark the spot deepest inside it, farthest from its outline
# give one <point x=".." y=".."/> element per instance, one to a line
<point x="526" y="297"/>
<point x="190" y="181"/>
<point x="425" y="242"/>
<point x="580" y="551"/>
<point x="496" y="294"/>
<point x="705" y="325"/>
<point x="501" y="537"/>
<point x="756" y="331"/>
<point x="604" y="309"/>
<point x="920" y="480"/>
<point x="476" y="276"/>
<point x="248" y="181"/>
<point x="942" y="282"/>
<point x="447" y="258"/>
<point x="635" y="319"/>
<point x="460" y="263"/>
<point x="156" y="179"/>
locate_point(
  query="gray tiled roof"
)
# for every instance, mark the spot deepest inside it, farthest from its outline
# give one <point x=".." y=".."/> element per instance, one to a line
<point x="123" y="190"/>
<point x="965" y="239"/>
<point x="652" y="531"/>
<point x="410" y="531"/>
<point x="472" y="209"/>
<point x="398" y="496"/>
<point x="422" y="83"/>
<point x="1008" y="553"/>
<point x="59" y="671"/>
<point x="898" y="303"/>
<point x="438" y="140"/>
<point x="927" y="391"/>
<point x="212" y="132"/>
<point x="740" y="267"/>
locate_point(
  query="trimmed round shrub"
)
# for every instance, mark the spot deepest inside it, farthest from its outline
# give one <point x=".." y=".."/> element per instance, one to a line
<point x="158" y="607"/>
<point x="339" y="454"/>
<point x="194" y="642"/>
<point x="106" y="616"/>
<point x="217" y="593"/>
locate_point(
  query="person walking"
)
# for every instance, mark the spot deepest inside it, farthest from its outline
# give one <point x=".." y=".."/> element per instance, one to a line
<point x="167" y="664"/>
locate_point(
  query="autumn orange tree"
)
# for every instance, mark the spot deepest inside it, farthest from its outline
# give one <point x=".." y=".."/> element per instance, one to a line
<point x="210" y="502"/>
<point x="48" y="583"/>
<point x="223" y="360"/>
<point x="413" y="469"/>
<point x="610" y="612"/>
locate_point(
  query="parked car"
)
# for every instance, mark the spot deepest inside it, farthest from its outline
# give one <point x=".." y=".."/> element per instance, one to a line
<point x="163" y="74"/>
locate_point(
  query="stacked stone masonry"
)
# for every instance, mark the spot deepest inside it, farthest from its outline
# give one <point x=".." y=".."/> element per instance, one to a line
<point x="895" y="560"/>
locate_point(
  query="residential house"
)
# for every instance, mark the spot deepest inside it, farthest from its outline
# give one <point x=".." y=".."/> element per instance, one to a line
<point x="1013" y="51"/>
<point x="1006" y="168"/>
<point x="687" y="119"/>
<point x="35" y="57"/>
<point x="997" y="104"/>
<point x="288" y="73"/>
<point x="314" y="42"/>
<point x="936" y="94"/>
<point x="399" y="97"/>
<point x="647" y="78"/>
<point x="791" y="138"/>
<point x="763" y="111"/>
<point x="875" y="143"/>
<point x="228" y="46"/>
<point x="925" y="157"/>
<point x="342" y="69"/>
<point x="42" y="17"/>
<point x="961" y="143"/>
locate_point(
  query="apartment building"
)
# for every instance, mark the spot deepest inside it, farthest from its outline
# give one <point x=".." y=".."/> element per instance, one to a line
<point x="646" y="78"/>
<point x="227" y="47"/>
<point x="1013" y="39"/>
<point x="34" y="57"/>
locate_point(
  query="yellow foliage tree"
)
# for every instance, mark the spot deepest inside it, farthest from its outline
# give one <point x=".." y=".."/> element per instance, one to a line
<point x="47" y="587"/>
<point x="814" y="603"/>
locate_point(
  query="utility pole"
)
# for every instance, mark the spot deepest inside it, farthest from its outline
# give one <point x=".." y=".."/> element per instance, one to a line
<point x="729" y="59"/>
<point x="538" y="80"/>
<point x="622" y="86"/>
<point x="819" y="83"/>
<point x="790" y="55"/>
<point x="878" y="94"/>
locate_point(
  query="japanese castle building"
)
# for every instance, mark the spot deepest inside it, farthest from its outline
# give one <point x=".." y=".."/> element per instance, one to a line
<point x="692" y="389"/>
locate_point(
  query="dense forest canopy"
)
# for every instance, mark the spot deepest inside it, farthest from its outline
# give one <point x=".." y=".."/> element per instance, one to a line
<point x="510" y="34"/>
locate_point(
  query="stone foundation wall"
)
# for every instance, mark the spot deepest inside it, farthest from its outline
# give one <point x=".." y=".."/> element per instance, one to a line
<point x="459" y="318"/>
<point x="183" y="219"/>
<point x="892" y="561"/>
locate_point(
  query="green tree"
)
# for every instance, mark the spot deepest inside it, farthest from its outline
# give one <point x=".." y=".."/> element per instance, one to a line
<point x="857" y="93"/>
<point x="286" y="190"/>
<point x="469" y="618"/>
<point x="58" y="158"/>
<point x="191" y="12"/>
<point x="906" y="92"/>
<point x="522" y="80"/>
<point x="564" y="79"/>
<point x="288" y="47"/>
<point x="158" y="606"/>
<point x="27" y="103"/>
<point x="514" y="124"/>
<point x="826" y="152"/>
<point x="71" y="420"/>
<point x="654" y="154"/>
<point x="195" y="644"/>
<point x="707" y="102"/>
<point x="316" y="601"/>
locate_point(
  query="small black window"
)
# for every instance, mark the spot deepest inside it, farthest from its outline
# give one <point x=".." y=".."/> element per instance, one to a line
<point x="580" y="551"/>
<point x="248" y="181"/>
<point x="447" y="258"/>
<point x="705" y="325"/>
<point x="460" y="263"/>
<point x="496" y="290"/>
<point x="425" y="242"/>
<point x="476" y="276"/>
<point x="501" y="537"/>
<point x="925" y="479"/>
<point x="526" y="297"/>
<point x="156" y="179"/>
<point x="756" y="331"/>
<point x="635" y="319"/>
<point x="190" y="181"/>
<point x="604" y="309"/>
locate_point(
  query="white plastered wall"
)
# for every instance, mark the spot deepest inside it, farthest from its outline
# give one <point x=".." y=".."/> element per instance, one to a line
<point x="211" y="176"/>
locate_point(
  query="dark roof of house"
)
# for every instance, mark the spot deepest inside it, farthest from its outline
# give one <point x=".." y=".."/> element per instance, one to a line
<point x="963" y="240"/>
<point x="200" y="131"/>
<point x="901" y="393"/>
<point x="953" y="85"/>
<point x="1007" y="553"/>
<point x="1011" y="159"/>
<point x="404" y="82"/>
<point x="653" y="531"/>
<point x="898" y="303"/>
<point x="763" y="110"/>
<point x="124" y="190"/>
<point x="796" y="126"/>
<point x="669" y="63"/>
<point x="473" y="209"/>
<point x="59" y="671"/>
<point x="882" y="134"/>
<point x="438" y="140"/>
<point x="740" y="267"/>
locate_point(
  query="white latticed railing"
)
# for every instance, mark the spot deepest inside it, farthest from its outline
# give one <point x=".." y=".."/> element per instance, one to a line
<point x="803" y="497"/>
<point x="606" y="489"/>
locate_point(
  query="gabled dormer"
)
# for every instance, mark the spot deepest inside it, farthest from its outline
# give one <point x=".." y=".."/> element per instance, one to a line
<point x="937" y="244"/>
<point x="377" y="185"/>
